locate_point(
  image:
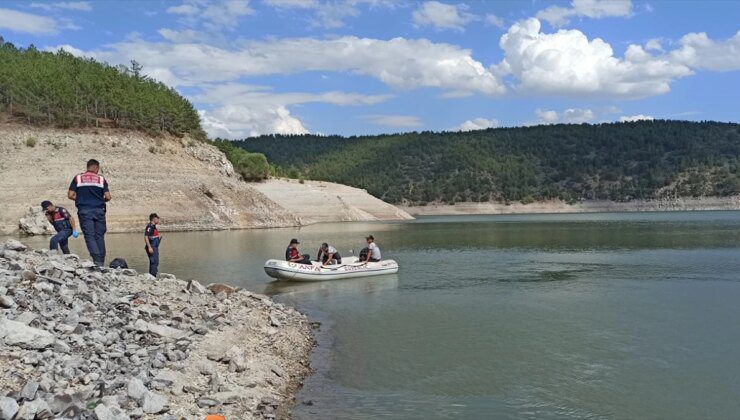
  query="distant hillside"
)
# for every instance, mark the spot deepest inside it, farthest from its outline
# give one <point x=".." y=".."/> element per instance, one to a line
<point x="619" y="162"/>
<point x="61" y="90"/>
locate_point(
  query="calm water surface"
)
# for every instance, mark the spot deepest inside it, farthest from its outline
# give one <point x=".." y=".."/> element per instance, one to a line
<point x="631" y="315"/>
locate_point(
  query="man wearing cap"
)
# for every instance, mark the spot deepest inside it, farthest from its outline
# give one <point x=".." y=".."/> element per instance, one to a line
<point x="292" y="254"/>
<point x="90" y="192"/>
<point x="152" y="239"/>
<point x="328" y="255"/>
<point x="373" y="251"/>
<point x="63" y="223"/>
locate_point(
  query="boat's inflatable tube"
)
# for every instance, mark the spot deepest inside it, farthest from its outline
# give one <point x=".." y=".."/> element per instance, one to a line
<point x="350" y="267"/>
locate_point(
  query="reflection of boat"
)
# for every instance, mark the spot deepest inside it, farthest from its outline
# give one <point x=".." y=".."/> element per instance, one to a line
<point x="350" y="267"/>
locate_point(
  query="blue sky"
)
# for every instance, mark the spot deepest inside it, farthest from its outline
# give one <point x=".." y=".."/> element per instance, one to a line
<point x="378" y="66"/>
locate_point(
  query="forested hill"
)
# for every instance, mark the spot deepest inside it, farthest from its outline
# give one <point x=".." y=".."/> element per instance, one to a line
<point x="618" y="161"/>
<point x="61" y="90"/>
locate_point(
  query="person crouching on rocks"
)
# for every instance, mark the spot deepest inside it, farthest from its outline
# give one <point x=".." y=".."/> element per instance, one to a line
<point x="292" y="254"/>
<point x="63" y="223"/>
<point x="152" y="239"/>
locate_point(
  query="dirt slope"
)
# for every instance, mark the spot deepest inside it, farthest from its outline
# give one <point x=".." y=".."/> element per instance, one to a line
<point x="325" y="201"/>
<point x="190" y="184"/>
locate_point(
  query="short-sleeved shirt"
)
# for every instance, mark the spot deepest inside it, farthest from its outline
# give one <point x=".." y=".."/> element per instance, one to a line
<point x="90" y="188"/>
<point x="60" y="219"/>
<point x="376" y="250"/>
<point x="152" y="233"/>
<point x="331" y="250"/>
<point x="291" y="253"/>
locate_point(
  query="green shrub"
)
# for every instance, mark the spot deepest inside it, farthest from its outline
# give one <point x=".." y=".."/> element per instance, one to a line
<point x="251" y="166"/>
<point x="31" y="142"/>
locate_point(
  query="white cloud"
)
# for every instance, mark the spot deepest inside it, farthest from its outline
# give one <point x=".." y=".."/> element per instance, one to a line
<point x="654" y="45"/>
<point x="699" y="51"/>
<point x="80" y="6"/>
<point x="330" y="14"/>
<point x="569" y="116"/>
<point x="397" y="121"/>
<point x="494" y="20"/>
<point x="477" y="124"/>
<point x="214" y="15"/>
<point x="15" y="21"/>
<point x="187" y="35"/>
<point x="292" y="4"/>
<point x="251" y="95"/>
<point x="235" y="122"/>
<point x="632" y="118"/>
<point x="183" y="9"/>
<point x="400" y="63"/>
<point x="442" y="16"/>
<point x="568" y="63"/>
<point x="595" y="9"/>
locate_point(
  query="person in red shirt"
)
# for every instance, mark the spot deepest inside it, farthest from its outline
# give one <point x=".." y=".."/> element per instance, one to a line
<point x="292" y="254"/>
<point x="63" y="223"/>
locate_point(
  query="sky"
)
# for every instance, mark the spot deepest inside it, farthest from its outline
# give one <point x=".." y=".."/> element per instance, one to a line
<point x="355" y="67"/>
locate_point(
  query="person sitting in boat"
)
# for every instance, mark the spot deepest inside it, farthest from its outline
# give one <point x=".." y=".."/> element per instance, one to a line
<point x="328" y="255"/>
<point x="373" y="251"/>
<point x="292" y="254"/>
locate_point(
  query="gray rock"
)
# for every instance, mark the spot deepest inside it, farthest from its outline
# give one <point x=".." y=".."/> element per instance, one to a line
<point x="274" y="321"/>
<point x="195" y="287"/>
<point x="136" y="389"/>
<point x="207" y="368"/>
<point x="14" y="245"/>
<point x="207" y="402"/>
<point x="29" y="390"/>
<point x="16" y="333"/>
<point x="103" y="412"/>
<point x="238" y="363"/>
<point x="34" y="222"/>
<point x="7" y="302"/>
<point x="165" y="331"/>
<point x="33" y="409"/>
<point x="153" y="403"/>
<point x="8" y="408"/>
<point x="26" y="317"/>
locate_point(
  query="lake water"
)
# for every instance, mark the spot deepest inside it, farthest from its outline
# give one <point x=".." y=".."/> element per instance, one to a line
<point x="552" y="316"/>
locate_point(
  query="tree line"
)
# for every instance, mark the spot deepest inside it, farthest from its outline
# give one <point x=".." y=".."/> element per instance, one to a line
<point x="61" y="90"/>
<point x="615" y="161"/>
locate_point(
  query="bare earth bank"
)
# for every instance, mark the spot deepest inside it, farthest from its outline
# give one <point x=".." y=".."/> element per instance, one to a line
<point x="555" y="206"/>
<point x="190" y="184"/>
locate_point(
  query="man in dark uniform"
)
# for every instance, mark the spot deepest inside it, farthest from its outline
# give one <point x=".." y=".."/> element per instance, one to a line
<point x="90" y="192"/>
<point x="152" y="239"/>
<point x="63" y="223"/>
<point x="292" y="254"/>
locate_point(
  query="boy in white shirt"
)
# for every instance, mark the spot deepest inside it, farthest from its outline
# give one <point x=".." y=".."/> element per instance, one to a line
<point x="373" y="254"/>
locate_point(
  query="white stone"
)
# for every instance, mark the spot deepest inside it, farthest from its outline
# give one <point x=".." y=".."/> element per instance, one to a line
<point x="8" y="408"/>
<point x="19" y="334"/>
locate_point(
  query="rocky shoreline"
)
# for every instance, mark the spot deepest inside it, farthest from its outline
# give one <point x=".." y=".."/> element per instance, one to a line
<point x="592" y="206"/>
<point x="113" y="344"/>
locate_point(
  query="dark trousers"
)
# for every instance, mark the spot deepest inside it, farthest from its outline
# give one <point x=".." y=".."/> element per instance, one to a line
<point x="61" y="239"/>
<point x="306" y="259"/>
<point x="92" y="222"/>
<point x="153" y="260"/>
<point x="336" y="258"/>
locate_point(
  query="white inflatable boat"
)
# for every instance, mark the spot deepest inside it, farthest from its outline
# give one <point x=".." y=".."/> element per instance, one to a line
<point x="350" y="267"/>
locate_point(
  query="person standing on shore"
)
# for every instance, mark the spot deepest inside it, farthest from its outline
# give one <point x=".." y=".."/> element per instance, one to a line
<point x="63" y="223"/>
<point x="152" y="239"/>
<point x="90" y="192"/>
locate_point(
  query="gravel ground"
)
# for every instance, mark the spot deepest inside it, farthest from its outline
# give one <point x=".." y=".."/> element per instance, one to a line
<point x="114" y="344"/>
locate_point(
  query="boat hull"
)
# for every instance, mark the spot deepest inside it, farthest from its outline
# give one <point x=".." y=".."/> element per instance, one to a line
<point x="351" y="268"/>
